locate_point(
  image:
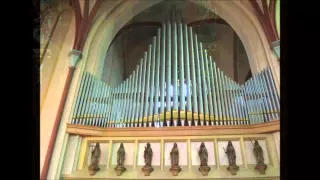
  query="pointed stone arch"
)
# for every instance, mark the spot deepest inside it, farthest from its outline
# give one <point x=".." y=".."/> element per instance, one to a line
<point x="240" y="15"/>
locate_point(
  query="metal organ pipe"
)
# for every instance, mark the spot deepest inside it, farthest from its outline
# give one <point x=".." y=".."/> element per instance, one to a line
<point x="208" y="77"/>
<point x="137" y="116"/>
<point x="175" y="72"/>
<point x="198" y="76"/>
<point x="176" y="79"/>
<point x="163" y="73"/>
<point x="181" y="76"/>
<point x="187" y="70"/>
<point x="147" y="96"/>
<point x="150" y="118"/>
<point x="143" y="88"/>
<point x="157" y="79"/>
<point x="193" y="78"/>
<point x="168" y="77"/>
<point x="204" y="86"/>
<point x="131" y="88"/>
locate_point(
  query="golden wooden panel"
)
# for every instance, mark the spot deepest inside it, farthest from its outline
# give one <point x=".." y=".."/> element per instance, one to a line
<point x="174" y="131"/>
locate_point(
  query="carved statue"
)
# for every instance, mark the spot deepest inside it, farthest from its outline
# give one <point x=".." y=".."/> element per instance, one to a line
<point x="203" y="153"/>
<point x="148" y="155"/>
<point x="258" y="153"/>
<point x="233" y="168"/>
<point x="147" y="169"/>
<point x="95" y="155"/>
<point x="121" y="155"/>
<point x="174" y="154"/>
<point x="231" y="154"/>
<point x="120" y="160"/>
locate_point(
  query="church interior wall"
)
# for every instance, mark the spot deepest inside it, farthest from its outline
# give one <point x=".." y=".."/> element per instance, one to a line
<point x="55" y="88"/>
<point x="51" y="57"/>
<point x="55" y="77"/>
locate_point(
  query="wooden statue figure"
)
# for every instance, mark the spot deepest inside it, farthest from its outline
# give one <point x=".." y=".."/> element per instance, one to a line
<point x="147" y="169"/>
<point x="203" y="153"/>
<point x="258" y="153"/>
<point x="120" y="160"/>
<point x="174" y="154"/>
<point x="95" y="155"/>
<point x="233" y="168"/>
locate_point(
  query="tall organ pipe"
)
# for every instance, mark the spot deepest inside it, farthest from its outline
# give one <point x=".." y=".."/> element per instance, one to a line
<point x="135" y="103"/>
<point x="267" y="97"/>
<point x="209" y="89"/>
<point x="262" y="97"/>
<point x="157" y="77"/>
<point x="163" y="71"/>
<point x="193" y="77"/>
<point x="104" y="104"/>
<point x="109" y="103"/>
<point x="187" y="67"/>
<point x="127" y="100"/>
<point x="146" y="101"/>
<point x="217" y="88"/>
<point x="99" y="103"/>
<point x="198" y="67"/>
<point x="168" y="78"/>
<point x="131" y="89"/>
<point x="222" y="105"/>
<point x="236" y="103"/>
<point x="229" y="100"/>
<point x="213" y="91"/>
<point x="75" y="118"/>
<point x="175" y="69"/>
<point x="152" y="94"/>
<point x="225" y="98"/>
<point x="244" y="107"/>
<point x="143" y="88"/>
<point x="83" y="99"/>
<point x="257" y="93"/>
<point x="137" y="116"/>
<point x="93" y="102"/>
<point x="272" y="91"/>
<point x="204" y="84"/>
<point x="181" y="74"/>
<point x="87" y="104"/>
<point x="117" y="110"/>
<point x="124" y="109"/>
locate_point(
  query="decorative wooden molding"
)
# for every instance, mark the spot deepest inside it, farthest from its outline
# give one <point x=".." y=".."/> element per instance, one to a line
<point x="173" y="131"/>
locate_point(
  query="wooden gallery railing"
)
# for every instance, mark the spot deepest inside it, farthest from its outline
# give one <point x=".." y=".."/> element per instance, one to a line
<point x="176" y="83"/>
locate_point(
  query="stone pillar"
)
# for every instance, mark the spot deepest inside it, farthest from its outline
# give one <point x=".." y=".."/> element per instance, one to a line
<point x="74" y="57"/>
<point x="276" y="48"/>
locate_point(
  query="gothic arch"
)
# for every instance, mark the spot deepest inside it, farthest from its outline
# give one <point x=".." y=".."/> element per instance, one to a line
<point x="239" y="14"/>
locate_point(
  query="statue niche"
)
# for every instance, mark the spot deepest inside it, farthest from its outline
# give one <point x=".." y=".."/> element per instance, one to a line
<point x="95" y="156"/>
<point x="147" y="169"/>
<point x="120" y="160"/>
<point x="203" y="154"/>
<point x="258" y="153"/>
<point x="174" y="154"/>
<point x="231" y="153"/>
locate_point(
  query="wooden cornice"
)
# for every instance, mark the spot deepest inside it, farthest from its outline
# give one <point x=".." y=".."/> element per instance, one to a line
<point x="173" y="131"/>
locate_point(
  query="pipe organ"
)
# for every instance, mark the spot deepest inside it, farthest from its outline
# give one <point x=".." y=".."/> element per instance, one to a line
<point x="176" y="83"/>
